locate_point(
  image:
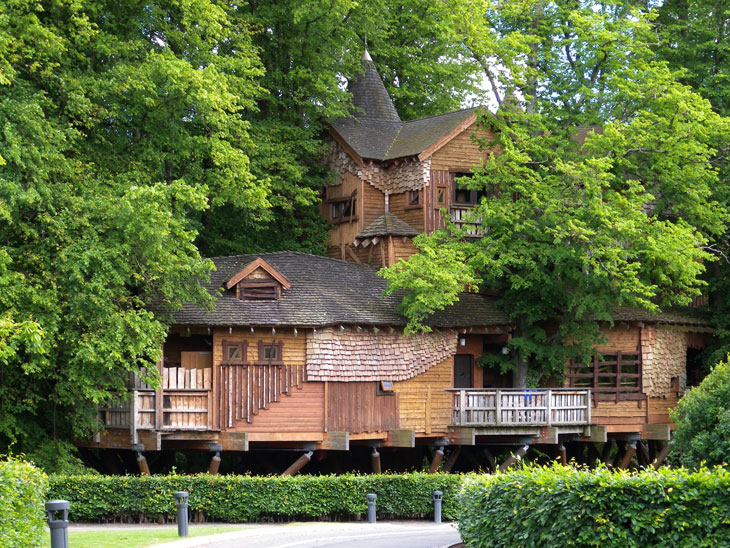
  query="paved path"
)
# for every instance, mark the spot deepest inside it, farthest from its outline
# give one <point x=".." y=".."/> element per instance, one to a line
<point x="390" y="534"/>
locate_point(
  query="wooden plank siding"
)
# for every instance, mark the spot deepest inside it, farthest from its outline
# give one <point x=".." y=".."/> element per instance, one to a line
<point x="413" y="216"/>
<point x="373" y="204"/>
<point x="344" y="232"/>
<point x="461" y="151"/>
<point x="424" y="404"/>
<point x="356" y="408"/>
<point x="403" y="249"/>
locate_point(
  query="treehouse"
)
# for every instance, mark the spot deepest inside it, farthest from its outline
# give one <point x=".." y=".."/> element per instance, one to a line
<point x="305" y="353"/>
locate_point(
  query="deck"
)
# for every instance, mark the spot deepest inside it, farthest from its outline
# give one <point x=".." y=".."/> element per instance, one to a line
<point x="511" y="408"/>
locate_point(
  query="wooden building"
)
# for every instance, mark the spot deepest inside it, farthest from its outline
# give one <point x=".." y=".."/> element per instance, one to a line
<point x="306" y="353"/>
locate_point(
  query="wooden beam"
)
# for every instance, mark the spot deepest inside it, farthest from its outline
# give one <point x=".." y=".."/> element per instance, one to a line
<point x="335" y="441"/>
<point x="437" y="458"/>
<point x="400" y="438"/>
<point x="563" y="455"/>
<point x="461" y="436"/>
<point x="352" y="254"/>
<point x="451" y="461"/>
<point x="661" y="456"/>
<point x="642" y="454"/>
<point x="298" y="464"/>
<point x="516" y="457"/>
<point x="375" y="461"/>
<point x="491" y="462"/>
<point x="626" y="460"/>
<point x="341" y="141"/>
<point x="598" y="434"/>
<point x="549" y="435"/>
<point x="660" y="432"/>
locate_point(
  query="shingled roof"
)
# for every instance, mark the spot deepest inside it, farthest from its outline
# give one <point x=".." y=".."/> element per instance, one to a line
<point x="375" y="130"/>
<point x="326" y="292"/>
<point x="387" y="225"/>
<point x="323" y="292"/>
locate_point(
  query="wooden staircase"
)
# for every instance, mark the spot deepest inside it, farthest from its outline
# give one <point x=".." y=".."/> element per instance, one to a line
<point x="246" y="390"/>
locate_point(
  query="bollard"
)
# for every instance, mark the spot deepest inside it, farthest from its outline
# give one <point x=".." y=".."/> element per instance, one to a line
<point x="182" y="513"/>
<point x="58" y="527"/>
<point x="438" y="496"/>
<point x="372" y="497"/>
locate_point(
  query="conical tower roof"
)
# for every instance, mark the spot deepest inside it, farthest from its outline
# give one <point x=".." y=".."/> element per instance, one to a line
<point x="369" y="96"/>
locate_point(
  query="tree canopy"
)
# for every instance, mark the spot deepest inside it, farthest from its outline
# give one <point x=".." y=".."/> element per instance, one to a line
<point x="600" y="191"/>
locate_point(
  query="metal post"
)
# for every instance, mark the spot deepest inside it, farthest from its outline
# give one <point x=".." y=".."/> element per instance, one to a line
<point x="437" y="499"/>
<point x="372" y="498"/>
<point x="58" y="526"/>
<point x="181" y="497"/>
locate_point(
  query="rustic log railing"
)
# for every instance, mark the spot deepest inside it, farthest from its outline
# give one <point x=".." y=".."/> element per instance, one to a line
<point x="246" y="389"/>
<point x="463" y="217"/>
<point x="515" y="407"/>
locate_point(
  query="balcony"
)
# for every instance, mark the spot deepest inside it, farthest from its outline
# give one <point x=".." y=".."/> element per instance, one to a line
<point x="463" y="217"/>
<point x="517" y="408"/>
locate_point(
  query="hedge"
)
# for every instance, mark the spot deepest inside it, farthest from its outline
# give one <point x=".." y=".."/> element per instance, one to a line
<point x="23" y="490"/>
<point x="556" y="506"/>
<point x="254" y="498"/>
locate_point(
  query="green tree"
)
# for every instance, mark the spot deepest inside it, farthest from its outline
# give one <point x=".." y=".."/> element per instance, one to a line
<point x="703" y="420"/>
<point x="119" y="125"/>
<point x="310" y="50"/>
<point x="576" y="221"/>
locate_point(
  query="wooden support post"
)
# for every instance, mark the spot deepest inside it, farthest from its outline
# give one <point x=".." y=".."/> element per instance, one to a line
<point x="652" y="450"/>
<point x="642" y="454"/>
<point x="215" y="461"/>
<point x="620" y="451"/>
<point x="517" y="456"/>
<point x="375" y="460"/>
<point x="626" y="460"/>
<point x="661" y="456"/>
<point x="437" y="458"/>
<point x="593" y="454"/>
<point x="563" y="454"/>
<point x="298" y="464"/>
<point x="144" y="468"/>
<point x="490" y="460"/>
<point x="606" y="452"/>
<point x="452" y="459"/>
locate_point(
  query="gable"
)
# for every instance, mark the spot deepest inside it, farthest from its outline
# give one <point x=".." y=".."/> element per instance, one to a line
<point x="258" y="281"/>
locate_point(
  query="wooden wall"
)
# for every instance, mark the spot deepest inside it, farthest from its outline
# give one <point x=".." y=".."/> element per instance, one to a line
<point x="344" y="232"/>
<point x="460" y="152"/>
<point x="373" y="204"/>
<point x="413" y="216"/>
<point x="424" y="405"/>
<point x="403" y="249"/>
<point x="356" y="408"/>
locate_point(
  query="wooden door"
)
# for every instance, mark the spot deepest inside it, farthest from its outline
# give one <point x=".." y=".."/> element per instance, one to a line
<point x="463" y="366"/>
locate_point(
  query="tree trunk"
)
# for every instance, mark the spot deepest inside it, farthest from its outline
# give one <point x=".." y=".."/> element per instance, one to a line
<point x="519" y="375"/>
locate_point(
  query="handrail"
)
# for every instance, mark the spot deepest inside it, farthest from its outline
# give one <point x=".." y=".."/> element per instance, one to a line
<point x="521" y="407"/>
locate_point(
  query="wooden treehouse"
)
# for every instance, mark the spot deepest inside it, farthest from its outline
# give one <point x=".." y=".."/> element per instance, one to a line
<point x="305" y="353"/>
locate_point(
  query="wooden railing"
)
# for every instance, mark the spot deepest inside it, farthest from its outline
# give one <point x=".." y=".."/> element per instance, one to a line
<point x="515" y="407"/>
<point x="463" y="217"/>
<point x="246" y="389"/>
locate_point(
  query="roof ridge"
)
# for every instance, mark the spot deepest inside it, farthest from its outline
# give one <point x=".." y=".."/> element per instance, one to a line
<point x="395" y="138"/>
<point x="443" y="114"/>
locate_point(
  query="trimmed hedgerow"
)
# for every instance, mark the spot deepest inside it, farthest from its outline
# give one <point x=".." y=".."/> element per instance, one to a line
<point x="255" y="498"/>
<point x="557" y="506"/>
<point x="23" y="490"/>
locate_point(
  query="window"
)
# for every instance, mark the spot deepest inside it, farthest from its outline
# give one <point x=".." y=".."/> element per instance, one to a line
<point x="615" y="377"/>
<point x="464" y="196"/>
<point x="442" y="192"/>
<point x="343" y="210"/>
<point x="258" y="289"/>
<point x="384" y="388"/>
<point x="270" y="353"/>
<point x="414" y="198"/>
<point x="234" y="352"/>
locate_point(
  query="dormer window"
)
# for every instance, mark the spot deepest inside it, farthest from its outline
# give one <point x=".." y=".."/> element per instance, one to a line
<point x="258" y="281"/>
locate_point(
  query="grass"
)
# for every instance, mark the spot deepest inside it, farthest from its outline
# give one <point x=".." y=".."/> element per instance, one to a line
<point x="136" y="538"/>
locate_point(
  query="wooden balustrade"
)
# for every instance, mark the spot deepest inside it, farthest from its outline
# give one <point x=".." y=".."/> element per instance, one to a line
<point x="463" y="217"/>
<point x="529" y="407"/>
<point x="246" y="389"/>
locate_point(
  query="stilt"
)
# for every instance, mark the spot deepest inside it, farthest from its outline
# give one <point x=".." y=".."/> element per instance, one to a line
<point x="626" y="460"/>
<point x="606" y="451"/>
<point x="215" y="461"/>
<point x="620" y="451"/>
<point x="490" y="460"/>
<point x="642" y="454"/>
<point x="298" y="464"/>
<point x="652" y="450"/>
<point x="563" y="455"/>
<point x="375" y="460"/>
<point x="661" y="456"/>
<point x="437" y="458"/>
<point x="517" y="456"/>
<point x="144" y="468"/>
<point x="452" y="459"/>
